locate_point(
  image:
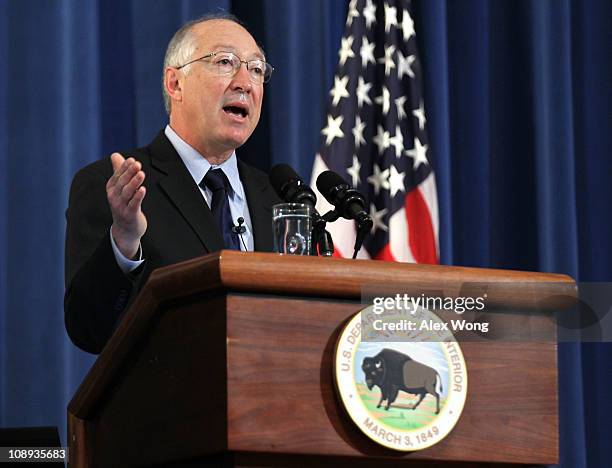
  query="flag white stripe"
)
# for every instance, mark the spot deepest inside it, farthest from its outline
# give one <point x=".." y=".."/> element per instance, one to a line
<point x="399" y="237"/>
<point x="430" y="195"/>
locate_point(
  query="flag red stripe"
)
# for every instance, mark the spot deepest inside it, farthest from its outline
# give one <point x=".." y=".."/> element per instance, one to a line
<point x="386" y="255"/>
<point x="421" y="236"/>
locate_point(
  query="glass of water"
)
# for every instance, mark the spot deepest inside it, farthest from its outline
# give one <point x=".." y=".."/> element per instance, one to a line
<point x="292" y="223"/>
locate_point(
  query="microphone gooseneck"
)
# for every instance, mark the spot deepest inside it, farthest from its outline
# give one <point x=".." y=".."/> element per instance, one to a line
<point x="348" y="202"/>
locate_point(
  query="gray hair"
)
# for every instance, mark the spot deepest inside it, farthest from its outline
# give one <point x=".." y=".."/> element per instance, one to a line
<point x="183" y="45"/>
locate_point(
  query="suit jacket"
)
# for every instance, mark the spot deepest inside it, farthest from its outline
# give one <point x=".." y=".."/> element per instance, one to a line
<point x="180" y="226"/>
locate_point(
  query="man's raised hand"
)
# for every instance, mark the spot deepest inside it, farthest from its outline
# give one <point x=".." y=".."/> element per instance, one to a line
<point x="125" y="193"/>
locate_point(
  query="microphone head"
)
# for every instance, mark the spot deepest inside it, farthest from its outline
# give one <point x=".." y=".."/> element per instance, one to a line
<point x="330" y="184"/>
<point x="280" y="175"/>
<point x="239" y="229"/>
<point x="290" y="187"/>
<point x="348" y="202"/>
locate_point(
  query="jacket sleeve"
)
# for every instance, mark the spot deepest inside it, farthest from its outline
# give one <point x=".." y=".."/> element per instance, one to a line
<point x="97" y="291"/>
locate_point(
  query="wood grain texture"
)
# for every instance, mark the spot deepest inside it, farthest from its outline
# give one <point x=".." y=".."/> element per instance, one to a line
<point x="301" y="276"/>
<point x="336" y="277"/>
<point x="213" y="350"/>
<point x="171" y="403"/>
<point x="282" y="400"/>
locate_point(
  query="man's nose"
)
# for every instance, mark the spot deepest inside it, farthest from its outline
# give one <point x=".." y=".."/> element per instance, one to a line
<point x="242" y="79"/>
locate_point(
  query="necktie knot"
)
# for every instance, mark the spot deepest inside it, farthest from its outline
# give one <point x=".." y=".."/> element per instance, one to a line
<point x="215" y="180"/>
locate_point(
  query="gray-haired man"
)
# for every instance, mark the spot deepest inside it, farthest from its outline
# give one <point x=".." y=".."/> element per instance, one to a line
<point x="175" y="198"/>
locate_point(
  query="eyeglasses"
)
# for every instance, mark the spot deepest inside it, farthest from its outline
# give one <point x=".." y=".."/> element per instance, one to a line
<point x="227" y="63"/>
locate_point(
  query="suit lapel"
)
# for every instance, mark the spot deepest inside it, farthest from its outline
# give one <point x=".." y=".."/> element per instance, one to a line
<point x="184" y="194"/>
<point x="259" y="200"/>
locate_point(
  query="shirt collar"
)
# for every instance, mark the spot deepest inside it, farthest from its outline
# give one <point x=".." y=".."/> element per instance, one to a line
<point x="198" y="166"/>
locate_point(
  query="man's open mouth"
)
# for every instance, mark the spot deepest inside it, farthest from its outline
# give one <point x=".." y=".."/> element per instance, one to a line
<point x="236" y="110"/>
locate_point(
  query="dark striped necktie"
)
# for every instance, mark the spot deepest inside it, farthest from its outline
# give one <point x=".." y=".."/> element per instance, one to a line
<point x="217" y="183"/>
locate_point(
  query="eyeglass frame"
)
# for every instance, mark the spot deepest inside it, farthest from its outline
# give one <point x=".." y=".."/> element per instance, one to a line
<point x="246" y="62"/>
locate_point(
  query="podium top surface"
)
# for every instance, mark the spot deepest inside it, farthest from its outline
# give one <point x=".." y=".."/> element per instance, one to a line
<point x="343" y="278"/>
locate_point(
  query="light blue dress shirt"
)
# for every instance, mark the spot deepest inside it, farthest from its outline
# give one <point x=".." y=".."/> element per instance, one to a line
<point x="198" y="166"/>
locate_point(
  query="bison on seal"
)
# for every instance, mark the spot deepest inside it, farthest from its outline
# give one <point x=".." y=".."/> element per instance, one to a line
<point x="393" y="371"/>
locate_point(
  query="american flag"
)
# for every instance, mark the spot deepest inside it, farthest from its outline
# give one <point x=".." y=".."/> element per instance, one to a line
<point x="375" y="135"/>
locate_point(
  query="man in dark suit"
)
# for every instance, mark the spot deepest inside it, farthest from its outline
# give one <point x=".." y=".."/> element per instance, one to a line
<point x="178" y="197"/>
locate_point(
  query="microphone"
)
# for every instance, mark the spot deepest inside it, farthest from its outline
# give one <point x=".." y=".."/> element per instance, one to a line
<point x="239" y="230"/>
<point x="290" y="187"/>
<point x="348" y="202"/>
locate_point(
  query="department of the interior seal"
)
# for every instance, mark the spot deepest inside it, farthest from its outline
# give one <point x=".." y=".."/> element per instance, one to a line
<point x="403" y="395"/>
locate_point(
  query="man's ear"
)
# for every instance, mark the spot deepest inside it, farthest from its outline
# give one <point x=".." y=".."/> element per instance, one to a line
<point x="172" y="83"/>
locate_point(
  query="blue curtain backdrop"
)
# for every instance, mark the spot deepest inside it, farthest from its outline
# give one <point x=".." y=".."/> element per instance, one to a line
<point x="518" y="98"/>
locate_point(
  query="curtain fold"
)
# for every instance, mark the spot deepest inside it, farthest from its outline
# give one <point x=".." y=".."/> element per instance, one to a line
<point x="432" y="35"/>
<point x="302" y="41"/>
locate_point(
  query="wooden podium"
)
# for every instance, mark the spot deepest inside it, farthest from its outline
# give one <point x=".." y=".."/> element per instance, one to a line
<point x="226" y="360"/>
